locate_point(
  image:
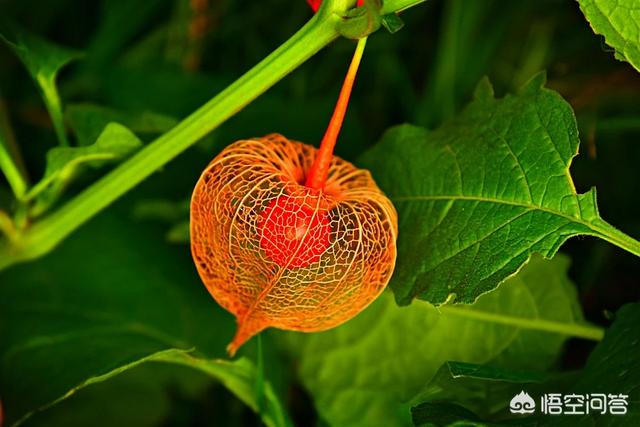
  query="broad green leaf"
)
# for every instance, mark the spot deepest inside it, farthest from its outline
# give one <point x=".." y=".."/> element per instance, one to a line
<point x="89" y="120"/>
<point x="63" y="163"/>
<point x="158" y="390"/>
<point x="112" y="297"/>
<point x="43" y="60"/>
<point x="482" y="193"/>
<point x="483" y="389"/>
<point x="611" y="370"/>
<point x="617" y="21"/>
<point x="366" y="372"/>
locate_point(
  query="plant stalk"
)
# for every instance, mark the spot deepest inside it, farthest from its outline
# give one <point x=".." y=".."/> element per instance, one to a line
<point x="11" y="163"/>
<point x="320" y="169"/>
<point x="616" y="237"/>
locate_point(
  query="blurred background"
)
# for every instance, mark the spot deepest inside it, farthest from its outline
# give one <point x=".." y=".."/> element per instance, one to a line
<point x="149" y="63"/>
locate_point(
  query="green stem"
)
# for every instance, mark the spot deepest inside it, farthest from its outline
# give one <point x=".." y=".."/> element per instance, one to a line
<point x="317" y="33"/>
<point x="589" y="332"/>
<point x="7" y="227"/>
<point x="10" y="169"/>
<point x="54" y="106"/>
<point x="10" y="161"/>
<point x="260" y="376"/>
<point x="616" y="237"/>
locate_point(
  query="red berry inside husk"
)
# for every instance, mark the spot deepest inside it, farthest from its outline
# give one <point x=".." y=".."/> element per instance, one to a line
<point x="292" y="232"/>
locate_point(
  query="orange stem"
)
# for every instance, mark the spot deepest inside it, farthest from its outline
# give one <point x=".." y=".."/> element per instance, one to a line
<point x="320" y="169"/>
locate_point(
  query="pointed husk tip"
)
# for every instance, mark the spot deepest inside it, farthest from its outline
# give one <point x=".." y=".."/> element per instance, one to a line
<point x="247" y="329"/>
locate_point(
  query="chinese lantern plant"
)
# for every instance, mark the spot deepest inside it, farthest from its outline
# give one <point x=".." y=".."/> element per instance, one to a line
<point x="287" y="236"/>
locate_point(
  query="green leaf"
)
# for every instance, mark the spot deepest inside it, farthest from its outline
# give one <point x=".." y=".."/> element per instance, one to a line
<point x="240" y="377"/>
<point x="43" y="60"/>
<point x="484" y="389"/>
<point x="63" y="163"/>
<point x="366" y="372"/>
<point x="112" y="297"/>
<point x="617" y="21"/>
<point x="157" y="389"/>
<point x="610" y="370"/>
<point x="482" y="193"/>
<point x="89" y="120"/>
<point x="392" y="23"/>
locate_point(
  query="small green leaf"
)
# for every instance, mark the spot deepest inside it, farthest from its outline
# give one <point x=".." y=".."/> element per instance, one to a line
<point x="392" y="23"/>
<point x="482" y="193"/>
<point x="63" y="163"/>
<point x="367" y="371"/>
<point x="43" y="60"/>
<point x="617" y="21"/>
<point x="89" y="120"/>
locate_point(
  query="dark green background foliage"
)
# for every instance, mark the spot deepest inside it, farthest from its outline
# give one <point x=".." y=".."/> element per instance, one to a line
<point x="114" y="327"/>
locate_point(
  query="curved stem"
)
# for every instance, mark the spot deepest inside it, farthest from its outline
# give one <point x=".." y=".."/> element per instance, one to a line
<point x="320" y="168"/>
